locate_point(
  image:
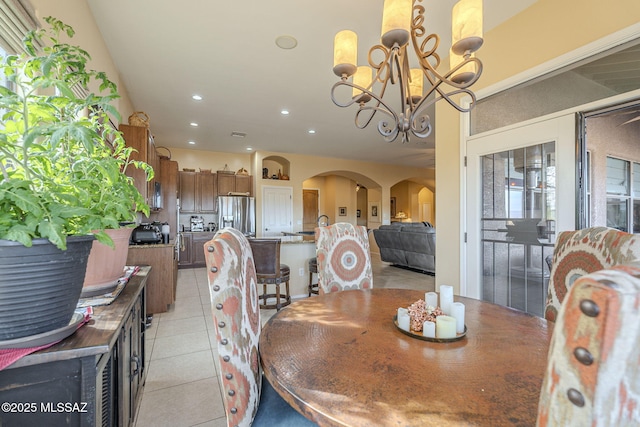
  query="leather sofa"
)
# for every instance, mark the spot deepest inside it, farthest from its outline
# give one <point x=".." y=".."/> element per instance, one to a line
<point x="410" y="245"/>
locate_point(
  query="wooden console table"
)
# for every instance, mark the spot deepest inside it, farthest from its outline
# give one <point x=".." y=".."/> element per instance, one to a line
<point x="94" y="377"/>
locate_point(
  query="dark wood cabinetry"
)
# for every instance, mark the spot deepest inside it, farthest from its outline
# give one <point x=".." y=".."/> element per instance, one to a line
<point x="226" y="183"/>
<point x="231" y="183"/>
<point x="98" y="371"/>
<point x="163" y="276"/>
<point x="243" y="184"/>
<point x="197" y="192"/>
<point x="169" y="179"/>
<point x="206" y="192"/>
<point x="186" y="260"/>
<point x="140" y="139"/>
<point x="193" y="254"/>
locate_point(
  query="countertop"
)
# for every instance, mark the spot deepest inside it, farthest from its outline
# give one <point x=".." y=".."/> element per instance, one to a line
<point x="171" y="243"/>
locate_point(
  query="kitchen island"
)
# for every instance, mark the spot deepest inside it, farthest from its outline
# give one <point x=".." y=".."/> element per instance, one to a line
<point x="163" y="279"/>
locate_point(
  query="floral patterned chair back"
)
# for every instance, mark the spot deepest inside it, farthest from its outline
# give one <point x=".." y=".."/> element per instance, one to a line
<point x="344" y="260"/>
<point x="593" y="372"/>
<point x="236" y="315"/>
<point x="585" y="251"/>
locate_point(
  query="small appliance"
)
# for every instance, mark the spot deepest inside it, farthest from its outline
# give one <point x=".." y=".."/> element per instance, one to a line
<point x="197" y="223"/>
<point x="146" y="233"/>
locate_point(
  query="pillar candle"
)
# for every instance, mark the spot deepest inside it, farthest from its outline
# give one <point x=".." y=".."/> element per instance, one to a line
<point x="431" y="298"/>
<point x="404" y="321"/>
<point x="457" y="312"/>
<point x="446" y="299"/>
<point x="429" y="329"/>
<point x="445" y="327"/>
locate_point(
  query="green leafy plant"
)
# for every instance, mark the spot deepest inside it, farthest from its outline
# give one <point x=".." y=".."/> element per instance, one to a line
<point x="62" y="164"/>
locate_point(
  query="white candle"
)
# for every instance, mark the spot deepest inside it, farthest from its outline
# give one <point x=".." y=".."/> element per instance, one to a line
<point x="404" y="321"/>
<point x="457" y="312"/>
<point x="445" y="327"/>
<point x="429" y="329"/>
<point x="431" y="299"/>
<point x="446" y="299"/>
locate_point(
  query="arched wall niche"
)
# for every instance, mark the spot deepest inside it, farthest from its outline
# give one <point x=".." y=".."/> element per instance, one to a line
<point x="274" y="167"/>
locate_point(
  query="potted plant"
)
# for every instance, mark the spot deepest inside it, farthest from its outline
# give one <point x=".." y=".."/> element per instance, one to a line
<point x="62" y="177"/>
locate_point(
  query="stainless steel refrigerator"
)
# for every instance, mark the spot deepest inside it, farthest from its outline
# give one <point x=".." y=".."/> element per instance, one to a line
<point x="238" y="212"/>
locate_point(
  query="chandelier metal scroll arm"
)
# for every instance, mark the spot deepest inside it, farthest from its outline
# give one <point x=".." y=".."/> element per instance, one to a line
<point x="380" y="106"/>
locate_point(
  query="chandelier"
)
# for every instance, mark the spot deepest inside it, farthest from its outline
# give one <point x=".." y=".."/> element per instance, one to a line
<point x="403" y="23"/>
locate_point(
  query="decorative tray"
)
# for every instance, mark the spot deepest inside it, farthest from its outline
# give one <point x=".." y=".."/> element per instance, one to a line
<point x="45" y="337"/>
<point x="419" y="335"/>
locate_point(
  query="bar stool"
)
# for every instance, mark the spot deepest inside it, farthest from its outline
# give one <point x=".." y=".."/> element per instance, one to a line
<point x="269" y="271"/>
<point x="313" y="268"/>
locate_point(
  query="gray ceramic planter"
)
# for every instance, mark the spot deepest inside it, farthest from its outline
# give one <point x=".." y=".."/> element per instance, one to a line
<point x="40" y="286"/>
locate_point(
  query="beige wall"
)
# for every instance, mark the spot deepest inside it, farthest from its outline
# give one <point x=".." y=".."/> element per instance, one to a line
<point x="76" y="14"/>
<point x="544" y="31"/>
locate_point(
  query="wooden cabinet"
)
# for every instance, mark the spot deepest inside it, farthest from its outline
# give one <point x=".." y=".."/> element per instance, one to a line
<point x="199" y="239"/>
<point x="169" y="179"/>
<point x="226" y="183"/>
<point x="187" y="192"/>
<point x="162" y="280"/>
<point x="243" y="184"/>
<point x="185" y="251"/>
<point x="193" y="254"/>
<point x="231" y="183"/>
<point x="140" y="139"/>
<point x="197" y="192"/>
<point x="99" y="370"/>
<point x="206" y="192"/>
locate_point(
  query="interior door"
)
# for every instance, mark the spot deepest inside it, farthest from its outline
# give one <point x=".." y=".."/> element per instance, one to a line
<point x="520" y="192"/>
<point x="309" y="210"/>
<point x="277" y="211"/>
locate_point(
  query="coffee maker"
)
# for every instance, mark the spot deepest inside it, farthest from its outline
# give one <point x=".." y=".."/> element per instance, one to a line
<point x="197" y="223"/>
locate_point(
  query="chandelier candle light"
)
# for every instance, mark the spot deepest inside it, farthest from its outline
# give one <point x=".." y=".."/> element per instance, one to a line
<point x="403" y="22"/>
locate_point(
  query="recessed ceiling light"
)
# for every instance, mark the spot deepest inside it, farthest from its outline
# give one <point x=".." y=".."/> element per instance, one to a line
<point x="286" y="42"/>
<point x="194" y="124"/>
<point x="238" y="134"/>
<point x="192" y="142"/>
<point x="197" y="97"/>
<point x="249" y="149"/>
<point x="312" y="131"/>
<point x="284" y="112"/>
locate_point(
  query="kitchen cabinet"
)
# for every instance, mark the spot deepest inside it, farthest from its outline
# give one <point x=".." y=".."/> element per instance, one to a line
<point x="99" y="370"/>
<point x="140" y="139"/>
<point x="193" y="254"/>
<point x="169" y="179"/>
<point x="163" y="276"/>
<point x="187" y="192"/>
<point x="232" y="183"/>
<point x="185" y="251"/>
<point x="199" y="239"/>
<point x="197" y="192"/>
<point x="206" y="192"/>
<point x="243" y="184"/>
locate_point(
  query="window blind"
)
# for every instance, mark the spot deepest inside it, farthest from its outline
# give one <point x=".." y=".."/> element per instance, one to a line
<point x="16" y="19"/>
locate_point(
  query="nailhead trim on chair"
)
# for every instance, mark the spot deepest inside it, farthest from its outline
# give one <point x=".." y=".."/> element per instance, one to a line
<point x="229" y="282"/>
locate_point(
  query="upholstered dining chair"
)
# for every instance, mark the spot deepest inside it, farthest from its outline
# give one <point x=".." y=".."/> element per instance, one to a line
<point x="344" y="259"/>
<point x="270" y="272"/>
<point x="248" y="399"/>
<point x="585" y="251"/>
<point x="593" y="372"/>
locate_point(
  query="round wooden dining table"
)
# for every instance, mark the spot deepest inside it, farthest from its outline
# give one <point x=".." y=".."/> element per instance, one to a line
<point x="340" y="360"/>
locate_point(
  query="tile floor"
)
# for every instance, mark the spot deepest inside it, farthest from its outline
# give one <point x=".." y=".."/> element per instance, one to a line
<point x="182" y="387"/>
